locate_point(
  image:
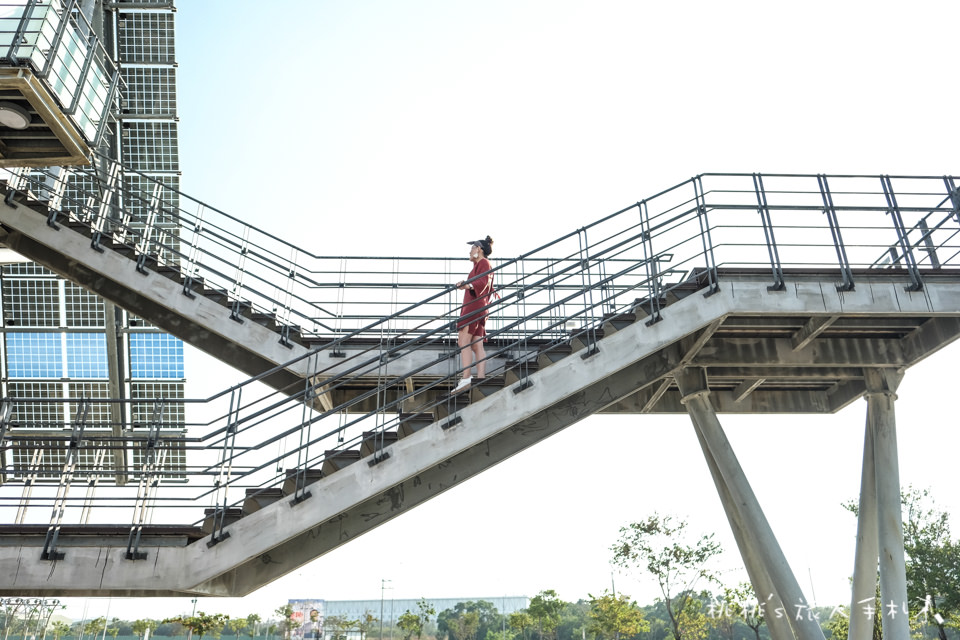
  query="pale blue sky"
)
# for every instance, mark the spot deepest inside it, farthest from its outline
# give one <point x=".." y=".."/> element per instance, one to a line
<point x="434" y="121"/>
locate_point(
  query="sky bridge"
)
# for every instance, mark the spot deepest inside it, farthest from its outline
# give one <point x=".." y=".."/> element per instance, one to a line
<point x="725" y="294"/>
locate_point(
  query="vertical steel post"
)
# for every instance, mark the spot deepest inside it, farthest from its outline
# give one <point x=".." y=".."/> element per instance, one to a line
<point x="893" y="209"/>
<point x="712" y="277"/>
<point x="830" y="211"/>
<point x="764" y="210"/>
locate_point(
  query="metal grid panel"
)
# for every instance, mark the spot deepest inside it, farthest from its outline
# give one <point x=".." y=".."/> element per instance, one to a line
<point x="31" y="303"/>
<point x="144" y="395"/>
<point x="151" y="146"/>
<point x="82" y="308"/>
<point x="146" y="37"/>
<point x="37" y="415"/>
<point x="150" y="91"/>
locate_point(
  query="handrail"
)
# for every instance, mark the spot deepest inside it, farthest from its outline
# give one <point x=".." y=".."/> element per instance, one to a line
<point x="630" y="261"/>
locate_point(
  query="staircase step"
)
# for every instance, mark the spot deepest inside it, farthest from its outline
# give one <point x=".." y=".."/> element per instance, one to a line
<point x="553" y="353"/>
<point x="448" y="405"/>
<point x="336" y="459"/>
<point x="483" y="387"/>
<point x="519" y="370"/>
<point x="257" y="499"/>
<point x="232" y="515"/>
<point x="616" y="321"/>
<point x="294" y="481"/>
<point x="216" y="295"/>
<point x="584" y="338"/>
<point x="263" y="318"/>
<point x="410" y="423"/>
<point x="374" y="441"/>
<point x="169" y="271"/>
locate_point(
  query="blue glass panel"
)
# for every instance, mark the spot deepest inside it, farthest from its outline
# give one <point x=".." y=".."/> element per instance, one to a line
<point x="155" y="355"/>
<point x="87" y="355"/>
<point x="34" y="355"/>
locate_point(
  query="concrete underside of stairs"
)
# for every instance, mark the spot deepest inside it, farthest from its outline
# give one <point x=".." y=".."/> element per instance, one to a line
<point x="803" y="350"/>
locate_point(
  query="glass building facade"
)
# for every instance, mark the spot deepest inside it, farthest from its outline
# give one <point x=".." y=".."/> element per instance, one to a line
<point x="68" y="348"/>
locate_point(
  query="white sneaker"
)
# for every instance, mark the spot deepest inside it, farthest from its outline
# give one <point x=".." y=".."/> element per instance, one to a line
<point x="462" y="385"/>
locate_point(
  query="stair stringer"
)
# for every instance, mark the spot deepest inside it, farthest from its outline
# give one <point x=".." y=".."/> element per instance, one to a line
<point x="280" y="537"/>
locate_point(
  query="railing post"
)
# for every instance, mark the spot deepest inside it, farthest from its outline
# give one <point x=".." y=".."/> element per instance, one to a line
<point x="712" y="276"/>
<point x="226" y="471"/>
<point x="831" y="213"/>
<point x="764" y="210"/>
<point x="653" y="265"/>
<point x="916" y="284"/>
<point x="66" y="478"/>
<point x="149" y="480"/>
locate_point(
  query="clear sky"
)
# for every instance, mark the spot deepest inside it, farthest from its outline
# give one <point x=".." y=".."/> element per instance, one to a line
<point x="432" y="122"/>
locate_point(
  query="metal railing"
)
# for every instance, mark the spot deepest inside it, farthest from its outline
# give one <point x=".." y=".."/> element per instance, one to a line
<point x="58" y="43"/>
<point x="380" y="369"/>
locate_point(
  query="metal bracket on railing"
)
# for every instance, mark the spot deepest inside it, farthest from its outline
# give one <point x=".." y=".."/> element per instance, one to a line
<point x="235" y="311"/>
<point x="916" y="284"/>
<point x="52" y="219"/>
<point x="830" y="211"/>
<point x="188" y="287"/>
<point x="764" y="210"/>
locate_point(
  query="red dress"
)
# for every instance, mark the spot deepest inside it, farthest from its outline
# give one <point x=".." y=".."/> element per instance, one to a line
<point x="473" y="315"/>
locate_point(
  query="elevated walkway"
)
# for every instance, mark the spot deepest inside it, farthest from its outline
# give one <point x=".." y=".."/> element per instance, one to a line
<point x="663" y="307"/>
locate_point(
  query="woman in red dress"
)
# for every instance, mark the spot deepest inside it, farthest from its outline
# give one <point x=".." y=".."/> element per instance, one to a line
<point x="471" y="330"/>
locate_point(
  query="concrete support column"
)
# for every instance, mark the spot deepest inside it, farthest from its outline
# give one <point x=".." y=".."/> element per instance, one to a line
<point x="742" y="507"/>
<point x="866" y="554"/>
<point x="762" y="585"/>
<point x="893" y="574"/>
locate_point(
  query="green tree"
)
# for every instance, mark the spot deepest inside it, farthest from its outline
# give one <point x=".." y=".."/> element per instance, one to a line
<point x="488" y="618"/>
<point x="339" y="625"/>
<point x="737" y="604"/>
<point x="253" y="620"/>
<point x="59" y="629"/>
<point x="201" y="624"/>
<point x="545" y="608"/>
<point x="367" y="623"/>
<point x="411" y="623"/>
<point x="94" y="627"/>
<point x="657" y="546"/>
<point x="521" y="621"/>
<point x="140" y="627"/>
<point x="287" y="622"/>
<point x="612" y="616"/>
<point x="932" y="561"/>
<point x="237" y="625"/>
<point x="465" y="626"/>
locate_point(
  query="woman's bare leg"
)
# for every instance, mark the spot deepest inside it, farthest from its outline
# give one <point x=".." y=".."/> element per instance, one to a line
<point x="479" y="356"/>
<point x="463" y="341"/>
